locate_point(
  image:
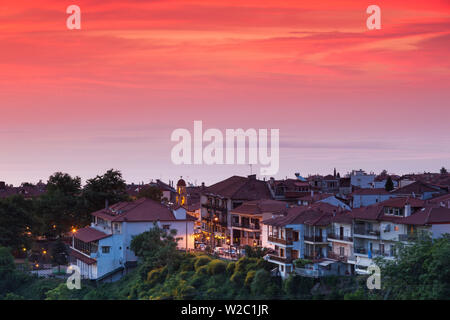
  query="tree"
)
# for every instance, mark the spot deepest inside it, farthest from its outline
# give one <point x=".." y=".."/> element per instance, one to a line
<point x="389" y="186"/>
<point x="59" y="254"/>
<point x="443" y="170"/>
<point x="16" y="220"/>
<point x="157" y="247"/>
<point x="63" y="183"/>
<point x="150" y="192"/>
<point x="420" y="270"/>
<point x="109" y="187"/>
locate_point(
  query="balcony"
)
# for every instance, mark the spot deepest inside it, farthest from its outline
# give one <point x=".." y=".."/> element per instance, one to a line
<point x="286" y="242"/>
<point x="333" y="237"/>
<point x="279" y="259"/>
<point x="364" y="231"/>
<point x="246" y="226"/>
<point x="314" y="238"/>
<point x="338" y="257"/>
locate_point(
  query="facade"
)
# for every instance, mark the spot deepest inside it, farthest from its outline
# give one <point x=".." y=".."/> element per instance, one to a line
<point x="102" y="250"/>
<point x="377" y="228"/>
<point x="360" y="179"/>
<point x="301" y="233"/>
<point x="368" y="196"/>
<point x="218" y="200"/>
<point x="246" y="219"/>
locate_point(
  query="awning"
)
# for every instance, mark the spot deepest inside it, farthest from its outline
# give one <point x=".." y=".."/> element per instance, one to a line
<point x="363" y="262"/>
<point x="326" y="263"/>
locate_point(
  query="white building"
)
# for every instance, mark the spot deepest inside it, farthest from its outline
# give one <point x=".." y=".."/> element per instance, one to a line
<point x="102" y="250"/>
<point x="360" y="179"/>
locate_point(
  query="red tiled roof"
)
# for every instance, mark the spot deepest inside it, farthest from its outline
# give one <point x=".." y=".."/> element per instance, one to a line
<point x="429" y="215"/>
<point x="137" y="211"/>
<point x="445" y="197"/>
<point x="370" y="191"/>
<point x="240" y="188"/>
<point x="82" y="257"/>
<point x="89" y="234"/>
<point x="417" y="187"/>
<point x="316" y="197"/>
<point x="260" y="206"/>
<point x="318" y="214"/>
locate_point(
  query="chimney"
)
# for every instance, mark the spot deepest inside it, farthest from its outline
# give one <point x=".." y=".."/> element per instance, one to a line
<point x="407" y="209"/>
<point x="203" y="185"/>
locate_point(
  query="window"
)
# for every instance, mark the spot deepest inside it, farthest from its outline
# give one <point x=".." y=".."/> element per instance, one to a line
<point x="106" y="249"/>
<point x="341" y="251"/>
<point x="166" y="226"/>
<point x="295" y="235"/>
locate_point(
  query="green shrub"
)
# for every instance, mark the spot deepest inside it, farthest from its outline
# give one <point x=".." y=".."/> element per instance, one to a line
<point x="217" y="266"/>
<point x="231" y="267"/>
<point x="201" y="261"/>
<point x="249" y="278"/>
<point x="202" y="270"/>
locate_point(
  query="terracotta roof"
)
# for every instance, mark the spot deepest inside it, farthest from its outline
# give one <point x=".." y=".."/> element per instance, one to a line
<point x="370" y="191"/>
<point x="445" y="197"/>
<point x="417" y="187"/>
<point x="343" y="217"/>
<point x="316" y="197"/>
<point x="260" y="206"/>
<point x="137" y="211"/>
<point x="240" y="188"/>
<point x="89" y="234"/>
<point x="429" y="215"/>
<point x="318" y="214"/>
<point x="80" y="256"/>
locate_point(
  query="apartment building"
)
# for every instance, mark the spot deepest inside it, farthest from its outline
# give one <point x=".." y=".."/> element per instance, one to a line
<point x="218" y="200"/>
<point x="102" y="250"/>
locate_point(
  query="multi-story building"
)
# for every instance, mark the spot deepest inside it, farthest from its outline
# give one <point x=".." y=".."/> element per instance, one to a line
<point x="377" y="228"/>
<point x="340" y="238"/>
<point x="102" y="250"/>
<point x="246" y="225"/>
<point x="219" y="199"/>
<point x="289" y="190"/>
<point x="360" y="179"/>
<point x="420" y="190"/>
<point x="368" y="196"/>
<point x="301" y="232"/>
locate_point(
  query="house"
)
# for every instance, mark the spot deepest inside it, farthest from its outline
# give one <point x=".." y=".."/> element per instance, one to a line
<point x="421" y="190"/>
<point x="443" y="201"/>
<point x="289" y="190"/>
<point x="345" y="186"/>
<point x="246" y="225"/>
<point x="300" y="232"/>
<point x="367" y="196"/>
<point x="28" y="191"/>
<point x="102" y="250"/>
<point x="360" y="179"/>
<point x="340" y="238"/>
<point x="378" y="227"/>
<point x="219" y="199"/>
<point x="323" y="197"/>
<point x="381" y="179"/>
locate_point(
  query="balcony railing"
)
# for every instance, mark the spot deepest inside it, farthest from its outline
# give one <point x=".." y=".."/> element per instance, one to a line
<point x="246" y="226"/>
<point x="334" y="236"/>
<point x="362" y="230"/>
<point x="313" y="238"/>
<point x="337" y="257"/>
<point x="281" y="241"/>
<point x="279" y="259"/>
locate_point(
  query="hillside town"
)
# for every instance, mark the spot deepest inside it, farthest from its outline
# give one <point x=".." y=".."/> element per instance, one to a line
<point x="313" y="226"/>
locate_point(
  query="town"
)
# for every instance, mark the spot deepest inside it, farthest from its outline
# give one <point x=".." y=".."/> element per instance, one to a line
<point x="315" y="226"/>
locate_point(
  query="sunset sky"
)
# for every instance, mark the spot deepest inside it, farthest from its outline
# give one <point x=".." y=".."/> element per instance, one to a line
<point x="109" y="95"/>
